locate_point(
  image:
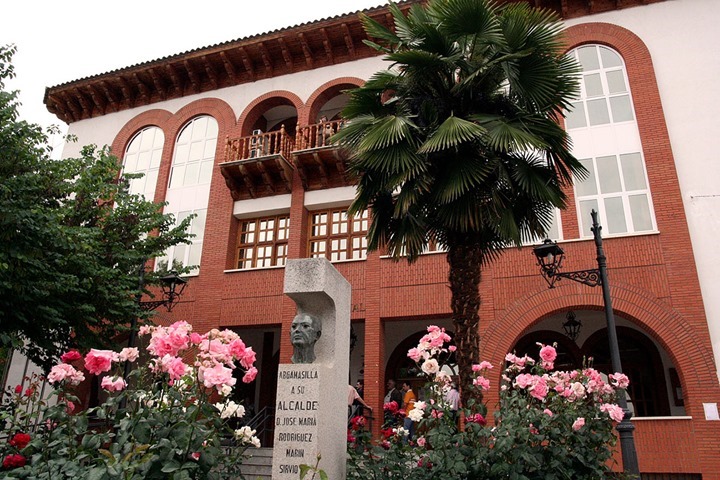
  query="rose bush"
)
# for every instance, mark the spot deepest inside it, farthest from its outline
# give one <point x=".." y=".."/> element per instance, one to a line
<point x="548" y="424"/>
<point x="162" y="422"/>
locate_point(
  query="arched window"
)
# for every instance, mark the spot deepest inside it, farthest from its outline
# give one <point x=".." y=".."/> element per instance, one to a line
<point x="194" y="153"/>
<point x="189" y="186"/>
<point x="606" y="140"/>
<point x="143" y="155"/>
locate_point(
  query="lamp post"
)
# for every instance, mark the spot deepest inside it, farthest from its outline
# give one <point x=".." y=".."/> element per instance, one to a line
<point x="550" y="256"/>
<point x="172" y="286"/>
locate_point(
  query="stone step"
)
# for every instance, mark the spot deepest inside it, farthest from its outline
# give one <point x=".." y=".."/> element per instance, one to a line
<point x="257" y="464"/>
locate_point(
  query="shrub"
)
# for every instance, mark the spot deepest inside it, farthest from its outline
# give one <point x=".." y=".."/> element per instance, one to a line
<point x="162" y="422"/>
<point x="548" y="424"/>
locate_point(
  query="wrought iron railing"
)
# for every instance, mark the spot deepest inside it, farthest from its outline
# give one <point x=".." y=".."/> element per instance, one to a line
<point x="264" y="425"/>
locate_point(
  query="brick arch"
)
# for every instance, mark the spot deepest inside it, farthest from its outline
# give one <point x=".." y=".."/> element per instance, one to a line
<point x="214" y="107"/>
<point x="689" y="354"/>
<point x="324" y="93"/>
<point x="266" y="101"/>
<point x="157" y="118"/>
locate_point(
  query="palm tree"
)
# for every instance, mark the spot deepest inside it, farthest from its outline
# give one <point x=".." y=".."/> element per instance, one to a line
<point x="458" y="142"/>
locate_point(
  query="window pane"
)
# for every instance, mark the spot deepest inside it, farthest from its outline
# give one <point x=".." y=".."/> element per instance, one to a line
<point x="575" y="118"/>
<point x="205" y="173"/>
<point x="616" y="81"/>
<point x="633" y="171"/>
<point x="640" y="212"/>
<point x="586" y="206"/>
<point x="156" y="158"/>
<point x="598" y="112"/>
<point x="589" y="185"/>
<point x="191" y="174"/>
<point x="195" y="253"/>
<point x="593" y="85"/>
<point x="178" y="172"/>
<point x="588" y="58"/>
<point x="621" y="108"/>
<point x="615" y="215"/>
<point x="196" y="151"/>
<point x="199" y="128"/>
<point x="130" y="164"/>
<point x="179" y="253"/>
<point x="610" y="58"/>
<point x="609" y="174"/>
<point x="144" y="160"/>
<point x="198" y="225"/>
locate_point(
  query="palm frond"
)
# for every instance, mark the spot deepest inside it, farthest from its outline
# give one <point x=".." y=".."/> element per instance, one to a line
<point x="452" y="132"/>
<point x="375" y="29"/>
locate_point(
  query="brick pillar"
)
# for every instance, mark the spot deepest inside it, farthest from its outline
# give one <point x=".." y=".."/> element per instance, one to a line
<point x="374" y="342"/>
<point x="297" y="248"/>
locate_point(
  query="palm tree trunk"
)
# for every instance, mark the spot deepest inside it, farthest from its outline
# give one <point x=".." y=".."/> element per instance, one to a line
<point x="465" y="259"/>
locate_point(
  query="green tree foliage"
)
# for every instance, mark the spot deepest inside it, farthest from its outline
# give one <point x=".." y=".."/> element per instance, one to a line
<point x="458" y="142"/>
<point x="72" y="240"/>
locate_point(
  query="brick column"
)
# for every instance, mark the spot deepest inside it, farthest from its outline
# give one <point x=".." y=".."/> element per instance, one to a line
<point x="297" y="248"/>
<point x="374" y="342"/>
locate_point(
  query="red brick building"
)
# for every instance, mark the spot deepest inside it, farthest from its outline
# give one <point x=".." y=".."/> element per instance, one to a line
<point x="237" y="133"/>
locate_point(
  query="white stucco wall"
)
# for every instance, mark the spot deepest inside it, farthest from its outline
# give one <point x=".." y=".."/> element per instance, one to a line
<point x="683" y="38"/>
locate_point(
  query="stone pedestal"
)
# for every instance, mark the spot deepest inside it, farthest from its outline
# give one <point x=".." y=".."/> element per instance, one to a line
<point x="311" y="405"/>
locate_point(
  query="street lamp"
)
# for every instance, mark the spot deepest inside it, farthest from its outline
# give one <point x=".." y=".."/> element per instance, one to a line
<point x="550" y="256"/>
<point x="172" y="286"/>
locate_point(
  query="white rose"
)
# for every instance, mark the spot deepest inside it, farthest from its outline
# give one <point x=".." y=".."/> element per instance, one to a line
<point x="430" y="366"/>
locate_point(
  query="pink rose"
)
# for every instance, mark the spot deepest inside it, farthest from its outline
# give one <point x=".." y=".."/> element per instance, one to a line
<point x="99" y="361"/>
<point x="615" y="412"/>
<point x="548" y="353"/>
<point x="250" y="375"/>
<point x="113" y="384"/>
<point x="62" y="372"/>
<point x="548" y="412"/>
<point x="216" y="376"/>
<point x="482" y="382"/>
<point x="421" y="441"/>
<point x="578" y="424"/>
<point x="415" y="354"/>
<point x="524" y="380"/>
<point x="248" y="358"/>
<point x="173" y="366"/>
<point x="619" y="380"/>
<point x="129" y="354"/>
<point x="452" y="348"/>
<point x="539" y="389"/>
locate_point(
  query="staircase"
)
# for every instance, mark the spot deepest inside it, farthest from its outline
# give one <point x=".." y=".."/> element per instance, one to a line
<point x="257" y="464"/>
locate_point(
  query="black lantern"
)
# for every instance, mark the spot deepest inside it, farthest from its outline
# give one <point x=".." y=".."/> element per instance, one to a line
<point x="550" y="257"/>
<point x="172" y="286"/>
<point x="572" y="325"/>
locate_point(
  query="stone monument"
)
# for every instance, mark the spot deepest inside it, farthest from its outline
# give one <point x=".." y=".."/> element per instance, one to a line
<point x="311" y="405"/>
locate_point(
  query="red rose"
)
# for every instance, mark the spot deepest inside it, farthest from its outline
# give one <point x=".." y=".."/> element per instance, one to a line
<point x="20" y="440"/>
<point x="29" y="392"/>
<point x="13" y="461"/>
<point x="70" y="356"/>
<point x="18" y="389"/>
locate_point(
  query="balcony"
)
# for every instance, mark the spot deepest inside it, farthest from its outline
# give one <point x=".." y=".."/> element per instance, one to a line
<point x="258" y="165"/>
<point x="261" y="165"/>
<point x="320" y="163"/>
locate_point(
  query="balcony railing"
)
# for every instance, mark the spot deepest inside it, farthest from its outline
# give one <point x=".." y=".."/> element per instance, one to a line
<point x="260" y="145"/>
<point x="317" y="135"/>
